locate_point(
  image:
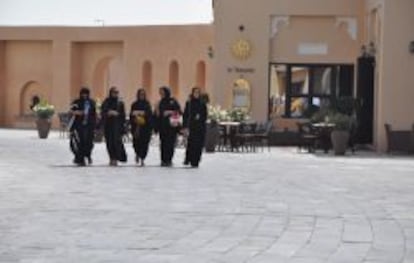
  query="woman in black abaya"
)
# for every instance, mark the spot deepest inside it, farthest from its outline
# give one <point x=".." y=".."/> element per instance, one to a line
<point x="82" y="127"/>
<point x="195" y="117"/>
<point x="113" y="117"/>
<point x="141" y="126"/>
<point x="168" y="114"/>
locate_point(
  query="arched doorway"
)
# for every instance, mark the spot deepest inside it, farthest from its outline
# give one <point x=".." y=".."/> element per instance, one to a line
<point x="108" y="73"/>
<point x="174" y="78"/>
<point x="28" y="92"/>
<point x="201" y="75"/>
<point x="147" y="78"/>
<point x="241" y="94"/>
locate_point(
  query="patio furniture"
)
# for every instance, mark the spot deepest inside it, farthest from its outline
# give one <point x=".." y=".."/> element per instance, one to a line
<point x="308" y="137"/>
<point x="324" y="130"/>
<point x="262" y="134"/>
<point x="64" y="120"/>
<point x="245" y="137"/>
<point x="399" y="141"/>
<point x="230" y="129"/>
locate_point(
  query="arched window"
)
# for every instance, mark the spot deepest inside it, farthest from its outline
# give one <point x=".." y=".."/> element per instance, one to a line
<point x="147" y="77"/>
<point x="201" y="75"/>
<point x="241" y="94"/>
<point x="174" y="78"/>
<point x="29" y="91"/>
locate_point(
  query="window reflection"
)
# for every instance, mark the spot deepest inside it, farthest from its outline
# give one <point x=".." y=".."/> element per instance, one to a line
<point x="278" y="90"/>
<point x="300" y="80"/>
<point x="322" y="80"/>
<point x="297" y="91"/>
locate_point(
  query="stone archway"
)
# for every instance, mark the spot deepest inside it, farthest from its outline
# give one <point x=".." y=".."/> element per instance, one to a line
<point x="107" y="73"/>
<point x="30" y="90"/>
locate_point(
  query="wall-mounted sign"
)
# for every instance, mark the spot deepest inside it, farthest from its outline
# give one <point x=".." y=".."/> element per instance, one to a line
<point x="313" y="49"/>
<point x="241" y="94"/>
<point x="241" y="70"/>
<point x="241" y="49"/>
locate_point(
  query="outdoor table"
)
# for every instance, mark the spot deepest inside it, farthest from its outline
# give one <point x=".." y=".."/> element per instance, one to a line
<point x="229" y="134"/>
<point x="324" y="130"/>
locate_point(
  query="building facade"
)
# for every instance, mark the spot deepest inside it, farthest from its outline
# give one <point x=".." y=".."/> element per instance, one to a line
<point x="295" y="54"/>
<point x="275" y="57"/>
<point x="54" y="62"/>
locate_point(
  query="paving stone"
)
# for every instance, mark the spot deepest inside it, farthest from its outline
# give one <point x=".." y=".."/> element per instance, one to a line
<point x="279" y="206"/>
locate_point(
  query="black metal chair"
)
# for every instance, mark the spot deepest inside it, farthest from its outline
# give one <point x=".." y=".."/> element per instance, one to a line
<point x="222" y="142"/>
<point x="64" y="120"/>
<point x="399" y="141"/>
<point x="262" y="134"/>
<point x="308" y="137"/>
<point x="245" y="137"/>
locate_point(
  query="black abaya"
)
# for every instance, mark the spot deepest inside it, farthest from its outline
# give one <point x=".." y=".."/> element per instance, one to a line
<point x="141" y="133"/>
<point x="168" y="133"/>
<point x="195" y="116"/>
<point x="114" y="129"/>
<point x="82" y="129"/>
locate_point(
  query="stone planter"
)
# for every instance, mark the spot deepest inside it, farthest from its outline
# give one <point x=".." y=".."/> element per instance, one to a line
<point x="43" y="127"/>
<point x="340" y="140"/>
<point x="212" y="137"/>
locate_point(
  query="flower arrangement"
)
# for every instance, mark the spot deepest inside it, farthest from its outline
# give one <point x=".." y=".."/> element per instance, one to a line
<point x="44" y="110"/>
<point x="217" y="114"/>
<point x="239" y="114"/>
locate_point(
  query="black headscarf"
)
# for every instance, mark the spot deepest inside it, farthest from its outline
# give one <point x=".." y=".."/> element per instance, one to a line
<point x="84" y="90"/>
<point x="167" y="92"/>
<point x="139" y="93"/>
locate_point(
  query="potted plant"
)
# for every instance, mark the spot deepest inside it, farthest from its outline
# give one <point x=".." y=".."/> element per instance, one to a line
<point x="44" y="113"/>
<point x="238" y="114"/>
<point x="341" y="132"/>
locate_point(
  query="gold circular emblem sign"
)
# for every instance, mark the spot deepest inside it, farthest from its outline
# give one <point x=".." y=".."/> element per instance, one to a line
<point x="241" y="49"/>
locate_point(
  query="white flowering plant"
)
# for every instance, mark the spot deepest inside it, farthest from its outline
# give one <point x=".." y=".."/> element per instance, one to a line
<point x="44" y="110"/>
<point x="217" y="114"/>
<point x="239" y="114"/>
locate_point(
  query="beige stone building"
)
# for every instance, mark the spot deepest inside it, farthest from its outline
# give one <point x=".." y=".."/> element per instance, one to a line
<point x="296" y="53"/>
<point x="54" y="62"/>
<point x="276" y="57"/>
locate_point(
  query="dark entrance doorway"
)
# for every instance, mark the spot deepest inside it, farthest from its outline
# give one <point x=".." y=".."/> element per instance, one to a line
<point x="365" y="93"/>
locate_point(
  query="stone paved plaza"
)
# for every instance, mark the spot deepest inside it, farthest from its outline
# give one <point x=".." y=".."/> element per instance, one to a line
<point x="278" y="206"/>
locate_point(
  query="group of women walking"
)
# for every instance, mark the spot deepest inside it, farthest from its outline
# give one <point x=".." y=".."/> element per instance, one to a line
<point x="167" y="119"/>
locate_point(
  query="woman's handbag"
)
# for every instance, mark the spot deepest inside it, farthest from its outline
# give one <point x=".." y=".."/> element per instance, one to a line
<point x="140" y="120"/>
<point x="176" y="120"/>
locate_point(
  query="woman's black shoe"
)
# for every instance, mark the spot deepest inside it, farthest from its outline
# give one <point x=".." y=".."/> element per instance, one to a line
<point x="89" y="160"/>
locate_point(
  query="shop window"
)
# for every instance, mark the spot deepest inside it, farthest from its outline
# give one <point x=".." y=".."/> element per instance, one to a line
<point x="297" y="91"/>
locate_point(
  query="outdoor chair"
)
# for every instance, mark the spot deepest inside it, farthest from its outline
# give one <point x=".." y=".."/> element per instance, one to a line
<point x="245" y="137"/>
<point x="400" y="141"/>
<point x="64" y="119"/>
<point x="222" y="141"/>
<point x="308" y="137"/>
<point x="262" y="134"/>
